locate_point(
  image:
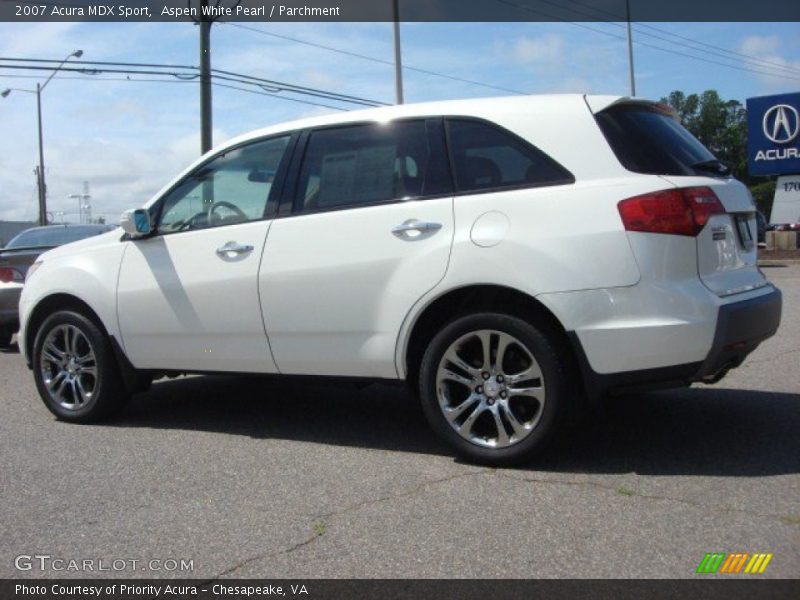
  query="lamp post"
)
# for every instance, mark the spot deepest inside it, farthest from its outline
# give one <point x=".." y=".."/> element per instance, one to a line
<point x="84" y="203"/>
<point x="630" y="47"/>
<point x="40" y="171"/>
<point x="398" y="65"/>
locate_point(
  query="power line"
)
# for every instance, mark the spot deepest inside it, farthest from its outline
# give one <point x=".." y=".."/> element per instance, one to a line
<point x="715" y="50"/>
<point x="746" y="57"/>
<point x="233" y="87"/>
<point x="648" y="45"/>
<point x="141" y="80"/>
<point x="123" y="79"/>
<point x="95" y="78"/>
<point x="275" y="86"/>
<point x="371" y="58"/>
<point x="267" y="85"/>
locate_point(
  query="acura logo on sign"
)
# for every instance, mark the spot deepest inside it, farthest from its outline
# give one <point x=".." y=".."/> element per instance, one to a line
<point x="781" y="123"/>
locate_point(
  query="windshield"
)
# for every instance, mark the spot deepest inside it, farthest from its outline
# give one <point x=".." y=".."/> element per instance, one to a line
<point x="647" y="140"/>
<point x="54" y="236"/>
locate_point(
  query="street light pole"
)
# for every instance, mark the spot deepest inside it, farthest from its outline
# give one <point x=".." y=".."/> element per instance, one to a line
<point x="40" y="180"/>
<point x="630" y="47"/>
<point x="398" y="59"/>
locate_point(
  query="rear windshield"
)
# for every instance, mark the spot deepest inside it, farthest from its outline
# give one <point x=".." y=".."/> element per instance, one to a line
<point x="649" y="141"/>
<point x="54" y="236"/>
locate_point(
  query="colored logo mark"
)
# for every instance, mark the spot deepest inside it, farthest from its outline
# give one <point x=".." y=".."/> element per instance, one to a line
<point x="734" y="563"/>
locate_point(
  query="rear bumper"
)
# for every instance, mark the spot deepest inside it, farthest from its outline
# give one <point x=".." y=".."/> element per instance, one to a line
<point x="9" y="304"/>
<point x="740" y="328"/>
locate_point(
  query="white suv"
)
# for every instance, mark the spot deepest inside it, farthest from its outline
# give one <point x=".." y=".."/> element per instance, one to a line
<point x="507" y="257"/>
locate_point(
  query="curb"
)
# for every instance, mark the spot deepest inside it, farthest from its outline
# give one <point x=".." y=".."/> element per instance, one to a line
<point x="777" y="261"/>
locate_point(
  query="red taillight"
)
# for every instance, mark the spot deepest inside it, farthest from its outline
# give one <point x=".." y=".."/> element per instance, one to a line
<point x="8" y="274"/>
<point x="683" y="211"/>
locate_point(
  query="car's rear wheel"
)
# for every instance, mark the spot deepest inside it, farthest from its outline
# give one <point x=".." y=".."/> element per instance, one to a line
<point x="494" y="387"/>
<point x="75" y="370"/>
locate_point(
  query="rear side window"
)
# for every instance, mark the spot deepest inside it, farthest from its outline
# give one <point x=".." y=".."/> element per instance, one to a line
<point x="368" y="164"/>
<point x="486" y="157"/>
<point x="647" y="140"/>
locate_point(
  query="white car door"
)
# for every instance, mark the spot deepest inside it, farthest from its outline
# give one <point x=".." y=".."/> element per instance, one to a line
<point x="188" y="294"/>
<point x="368" y="235"/>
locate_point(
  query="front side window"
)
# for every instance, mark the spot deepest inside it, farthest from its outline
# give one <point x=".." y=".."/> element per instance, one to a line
<point x="368" y="164"/>
<point x="232" y="188"/>
<point x="486" y="157"/>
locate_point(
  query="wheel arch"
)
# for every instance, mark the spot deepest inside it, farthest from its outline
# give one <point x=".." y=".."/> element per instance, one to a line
<point x="133" y="379"/>
<point x="465" y="300"/>
<point x="50" y="304"/>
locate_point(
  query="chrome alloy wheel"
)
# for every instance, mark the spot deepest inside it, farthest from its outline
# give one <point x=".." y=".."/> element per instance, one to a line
<point x="490" y="388"/>
<point x="68" y="367"/>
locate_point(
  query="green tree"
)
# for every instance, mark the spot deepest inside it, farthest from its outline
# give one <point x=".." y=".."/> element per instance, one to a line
<point x="721" y="125"/>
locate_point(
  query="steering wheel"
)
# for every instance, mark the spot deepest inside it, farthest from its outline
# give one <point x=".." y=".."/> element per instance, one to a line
<point x="222" y="204"/>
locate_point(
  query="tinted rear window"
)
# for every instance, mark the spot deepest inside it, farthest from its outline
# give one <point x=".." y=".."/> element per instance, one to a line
<point x="649" y="141"/>
<point x="54" y="236"/>
<point x="367" y="164"/>
<point x="486" y="157"/>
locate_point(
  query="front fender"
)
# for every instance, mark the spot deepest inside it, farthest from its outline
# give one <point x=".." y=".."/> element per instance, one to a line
<point x="89" y="275"/>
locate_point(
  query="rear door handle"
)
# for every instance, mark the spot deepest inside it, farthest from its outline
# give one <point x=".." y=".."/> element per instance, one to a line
<point x="233" y="248"/>
<point x="413" y="228"/>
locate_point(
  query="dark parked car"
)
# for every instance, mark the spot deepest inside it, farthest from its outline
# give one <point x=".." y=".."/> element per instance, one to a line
<point x="20" y="253"/>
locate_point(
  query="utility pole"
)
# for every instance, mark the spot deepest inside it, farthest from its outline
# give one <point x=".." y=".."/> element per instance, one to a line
<point x="204" y="23"/>
<point x="39" y="194"/>
<point x="41" y="186"/>
<point x="398" y="61"/>
<point x="630" y="47"/>
<point x="40" y="172"/>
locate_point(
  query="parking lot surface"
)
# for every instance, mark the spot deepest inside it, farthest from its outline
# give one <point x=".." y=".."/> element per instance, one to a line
<point x="250" y="477"/>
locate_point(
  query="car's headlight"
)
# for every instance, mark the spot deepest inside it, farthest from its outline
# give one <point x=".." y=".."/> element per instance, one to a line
<point x="32" y="269"/>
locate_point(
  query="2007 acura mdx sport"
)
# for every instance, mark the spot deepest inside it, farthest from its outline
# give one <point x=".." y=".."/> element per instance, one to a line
<point x="506" y="257"/>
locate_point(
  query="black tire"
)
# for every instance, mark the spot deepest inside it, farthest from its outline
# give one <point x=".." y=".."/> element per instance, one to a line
<point x="554" y="368"/>
<point x="108" y="395"/>
<point x="5" y="336"/>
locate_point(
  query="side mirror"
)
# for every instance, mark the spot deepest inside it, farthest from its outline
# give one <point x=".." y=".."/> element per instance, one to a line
<point x="136" y="223"/>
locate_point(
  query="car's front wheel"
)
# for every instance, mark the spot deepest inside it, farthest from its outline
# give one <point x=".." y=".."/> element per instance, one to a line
<point x="75" y="370"/>
<point x="494" y="386"/>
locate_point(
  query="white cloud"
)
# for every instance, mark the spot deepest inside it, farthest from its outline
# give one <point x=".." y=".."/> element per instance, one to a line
<point x="778" y="73"/>
<point x="759" y="44"/>
<point x="548" y="48"/>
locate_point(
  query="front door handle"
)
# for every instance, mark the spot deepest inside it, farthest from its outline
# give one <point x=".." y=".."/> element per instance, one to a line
<point x="233" y="248"/>
<point x="414" y="228"/>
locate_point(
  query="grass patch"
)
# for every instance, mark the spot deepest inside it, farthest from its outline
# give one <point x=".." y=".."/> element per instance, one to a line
<point x="623" y="491"/>
<point x="319" y="528"/>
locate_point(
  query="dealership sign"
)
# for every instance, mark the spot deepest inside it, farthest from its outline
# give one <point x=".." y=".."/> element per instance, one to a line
<point x="786" y="205"/>
<point x="773" y="135"/>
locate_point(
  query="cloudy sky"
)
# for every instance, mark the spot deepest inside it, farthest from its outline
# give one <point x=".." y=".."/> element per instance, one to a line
<point x="128" y="138"/>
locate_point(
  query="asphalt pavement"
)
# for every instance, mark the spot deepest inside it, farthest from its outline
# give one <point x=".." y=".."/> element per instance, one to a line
<point x="249" y="477"/>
